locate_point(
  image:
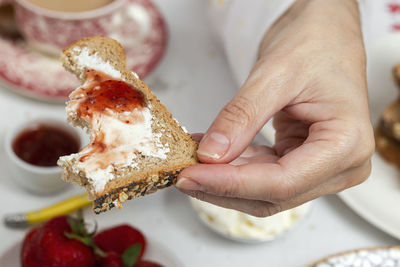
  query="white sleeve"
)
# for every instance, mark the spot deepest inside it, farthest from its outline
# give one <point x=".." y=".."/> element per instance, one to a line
<point x="240" y="26"/>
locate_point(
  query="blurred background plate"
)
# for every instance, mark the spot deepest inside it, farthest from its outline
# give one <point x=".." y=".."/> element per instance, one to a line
<point x="30" y="73"/>
<point x="377" y="200"/>
<point x="372" y="257"/>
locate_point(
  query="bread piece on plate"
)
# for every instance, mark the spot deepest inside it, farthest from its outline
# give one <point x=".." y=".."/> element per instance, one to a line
<point x="396" y="74"/>
<point x="136" y="146"/>
<point x="390" y="121"/>
<point x="387" y="147"/>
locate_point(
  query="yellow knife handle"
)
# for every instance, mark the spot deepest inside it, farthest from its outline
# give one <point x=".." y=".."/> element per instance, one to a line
<point x="58" y="209"/>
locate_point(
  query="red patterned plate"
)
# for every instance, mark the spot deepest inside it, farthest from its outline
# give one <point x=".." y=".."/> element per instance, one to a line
<point x="36" y="75"/>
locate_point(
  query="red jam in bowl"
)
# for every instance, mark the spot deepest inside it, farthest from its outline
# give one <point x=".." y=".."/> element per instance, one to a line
<point x="43" y="144"/>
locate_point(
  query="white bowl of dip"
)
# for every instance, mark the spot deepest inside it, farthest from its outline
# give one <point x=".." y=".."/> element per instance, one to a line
<point x="239" y="226"/>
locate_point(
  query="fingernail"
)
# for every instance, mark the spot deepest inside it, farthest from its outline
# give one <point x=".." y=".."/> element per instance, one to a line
<point x="187" y="184"/>
<point x="213" y="145"/>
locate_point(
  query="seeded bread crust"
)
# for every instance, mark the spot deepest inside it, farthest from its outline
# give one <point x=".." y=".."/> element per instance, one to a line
<point x="134" y="190"/>
<point x="154" y="174"/>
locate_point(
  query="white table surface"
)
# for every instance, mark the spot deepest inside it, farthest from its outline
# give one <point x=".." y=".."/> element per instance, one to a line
<point x="194" y="82"/>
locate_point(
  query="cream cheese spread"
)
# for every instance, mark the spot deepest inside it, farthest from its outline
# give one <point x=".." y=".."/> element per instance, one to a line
<point x="243" y="226"/>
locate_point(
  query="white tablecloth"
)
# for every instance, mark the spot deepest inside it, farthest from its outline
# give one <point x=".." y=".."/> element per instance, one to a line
<point x="194" y="82"/>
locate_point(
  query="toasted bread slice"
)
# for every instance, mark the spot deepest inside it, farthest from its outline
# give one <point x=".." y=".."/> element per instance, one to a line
<point x="387" y="147"/>
<point x="396" y="75"/>
<point x="136" y="146"/>
<point x="390" y="121"/>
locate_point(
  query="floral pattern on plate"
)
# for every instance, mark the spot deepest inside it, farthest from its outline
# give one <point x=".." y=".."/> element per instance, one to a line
<point x="374" y="257"/>
<point x="31" y="73"/>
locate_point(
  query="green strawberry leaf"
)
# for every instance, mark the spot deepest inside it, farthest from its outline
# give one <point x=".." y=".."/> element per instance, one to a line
<point x="81" y="223"/>
<point x="73" y="223"/>
<point x="79" y="215"/>
<point x="85" y="240"/>
<point x="131" y="255"/>
<point x="78" y="224"/>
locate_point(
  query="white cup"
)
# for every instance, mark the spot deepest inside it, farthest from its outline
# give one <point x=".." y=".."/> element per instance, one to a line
<point x="35" y="179"/>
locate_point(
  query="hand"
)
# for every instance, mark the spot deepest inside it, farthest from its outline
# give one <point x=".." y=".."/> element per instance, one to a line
<point x="310" y="77"/>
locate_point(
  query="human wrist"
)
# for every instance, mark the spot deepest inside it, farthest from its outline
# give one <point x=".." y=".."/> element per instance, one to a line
<point x="313" y="18"/>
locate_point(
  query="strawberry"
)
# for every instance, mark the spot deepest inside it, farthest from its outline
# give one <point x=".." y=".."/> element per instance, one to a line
<point x="60" y="250"/>
<point x="147" y="264"/>
<point x="111" y="260"/>
<point x="49" y="245"/>
<point x="118" y="239"/>
<point x="28" y="252"/>
<point x="128" y="259"/>
<point x="64" y="242"/>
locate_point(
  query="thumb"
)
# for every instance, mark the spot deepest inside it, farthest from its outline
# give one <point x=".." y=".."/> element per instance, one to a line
<point x="242" y="118"/>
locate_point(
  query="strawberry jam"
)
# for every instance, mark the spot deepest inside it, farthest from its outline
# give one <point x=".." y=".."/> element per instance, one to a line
<point x="97" y="145"/>
<point x="43" y="144"/>
<point x="103" y="92"/>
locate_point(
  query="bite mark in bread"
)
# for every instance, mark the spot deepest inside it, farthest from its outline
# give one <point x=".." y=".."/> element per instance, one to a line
<point x="126" y="167"/>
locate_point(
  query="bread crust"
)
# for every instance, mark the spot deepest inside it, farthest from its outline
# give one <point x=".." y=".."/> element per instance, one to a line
<point x="134" y="190"/>
<point x="106" y="48"/>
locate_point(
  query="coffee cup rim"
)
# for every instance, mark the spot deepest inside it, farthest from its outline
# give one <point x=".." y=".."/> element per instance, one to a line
<point x="63" y="15"/>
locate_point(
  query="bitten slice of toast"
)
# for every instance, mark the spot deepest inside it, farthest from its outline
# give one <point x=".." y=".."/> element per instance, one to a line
<point x="136" y="146"/>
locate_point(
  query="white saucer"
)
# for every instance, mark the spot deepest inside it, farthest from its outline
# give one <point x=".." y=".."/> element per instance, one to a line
<point x="376" y="199"/>
<point x="33" y="74"/>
